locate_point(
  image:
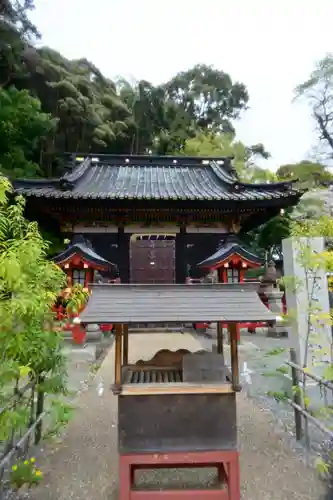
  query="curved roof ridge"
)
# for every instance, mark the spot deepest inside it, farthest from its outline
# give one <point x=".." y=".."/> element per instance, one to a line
<point x="84" y="248"/>
<point x="78" y="172"/>
<point x="268" y="185"/>
<point x="226" y="174"/>
<point x="230" y="246"/>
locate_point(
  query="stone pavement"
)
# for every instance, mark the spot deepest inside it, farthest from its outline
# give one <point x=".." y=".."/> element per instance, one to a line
<point x="85" y="466"/>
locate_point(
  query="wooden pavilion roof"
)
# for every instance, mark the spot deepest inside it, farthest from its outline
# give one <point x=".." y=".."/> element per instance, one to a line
<point x="128" y="304"/>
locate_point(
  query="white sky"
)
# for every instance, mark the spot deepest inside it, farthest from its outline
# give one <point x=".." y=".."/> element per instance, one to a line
<point x="270" y="45"/>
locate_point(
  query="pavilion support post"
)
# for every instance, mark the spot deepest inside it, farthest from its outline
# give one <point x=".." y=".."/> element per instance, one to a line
<point x="125" y="345"/>
<point x="219" y="337"/>
<point x="118" y="349"/>
<point x="234" y="356"/>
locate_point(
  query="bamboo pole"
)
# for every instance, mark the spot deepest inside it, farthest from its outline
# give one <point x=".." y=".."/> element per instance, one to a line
<point x="297" y="396"/>
<point x="232" y="327"/>
<point x="125" y="345"/>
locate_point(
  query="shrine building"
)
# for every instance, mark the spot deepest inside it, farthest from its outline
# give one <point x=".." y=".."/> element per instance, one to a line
<point x="231" y="261"/>
<point x="156" y="219"/>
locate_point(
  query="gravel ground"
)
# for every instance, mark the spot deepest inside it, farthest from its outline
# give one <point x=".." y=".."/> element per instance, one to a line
<point x="255" y="351"/>
<point x="85" y="465"/>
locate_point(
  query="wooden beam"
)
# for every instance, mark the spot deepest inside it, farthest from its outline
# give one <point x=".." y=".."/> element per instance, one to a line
<point x="175" y="388"/>
<point x="234" y="356"/>
<point x="125" y="345"/>
<point x="118" y="349"/>
<point x="145" y="229"/>
<point x="219" y="337"/>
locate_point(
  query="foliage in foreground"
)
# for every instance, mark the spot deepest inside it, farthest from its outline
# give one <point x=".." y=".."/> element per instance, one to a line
<point x="30" y="343"/>
<point x="316" y="332"/>
<point x="25" y="472"/>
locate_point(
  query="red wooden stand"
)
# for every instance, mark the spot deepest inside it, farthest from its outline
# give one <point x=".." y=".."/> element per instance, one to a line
<point x="226" y="462"/>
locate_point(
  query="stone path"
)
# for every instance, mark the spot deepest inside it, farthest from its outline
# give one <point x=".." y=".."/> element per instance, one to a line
<point x="85" y="465"/>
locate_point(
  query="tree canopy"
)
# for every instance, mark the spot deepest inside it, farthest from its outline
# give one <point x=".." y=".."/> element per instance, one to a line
<point x="317" y="90"/>
<point x="309" y="174"/>
<point x="50" y="105"/>
<point x="222" y="144"/>
<point x="91" y="113"/>
<point x="23" y="127"/>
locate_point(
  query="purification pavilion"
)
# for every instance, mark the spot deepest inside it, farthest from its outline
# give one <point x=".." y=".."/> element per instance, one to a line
<point x="154" y="217"/>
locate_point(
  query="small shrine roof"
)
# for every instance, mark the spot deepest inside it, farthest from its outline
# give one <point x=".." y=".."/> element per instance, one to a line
<point x="154" y="178"/>
<point x="83" y="248"/>
<point x="231" y="246"/>
<point x="175" y="303"/>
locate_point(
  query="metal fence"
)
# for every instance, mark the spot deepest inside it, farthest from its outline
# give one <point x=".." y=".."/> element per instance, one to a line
<point x="26" y="402"/>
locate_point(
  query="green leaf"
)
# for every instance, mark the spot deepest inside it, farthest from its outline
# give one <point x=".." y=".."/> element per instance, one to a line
<point x="321" y="466"/>
<point x="328" y="373"/>
<point x="24" y="371"/>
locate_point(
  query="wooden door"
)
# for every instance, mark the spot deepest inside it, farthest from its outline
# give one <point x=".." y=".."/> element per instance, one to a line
<point x="152" y="261"/>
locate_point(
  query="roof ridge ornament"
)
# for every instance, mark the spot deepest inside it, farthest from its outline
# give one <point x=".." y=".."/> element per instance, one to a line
<point x="69" y="179"/>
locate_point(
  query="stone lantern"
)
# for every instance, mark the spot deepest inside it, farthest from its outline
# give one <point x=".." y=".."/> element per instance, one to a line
<point x="271" y="295"/>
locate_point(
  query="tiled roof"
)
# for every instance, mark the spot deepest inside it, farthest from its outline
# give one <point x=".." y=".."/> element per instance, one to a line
<point x="175" y="303"/>
<point x="230" y="246"/>
<point x="83" y="248"/>
<point x="149" y="177"/>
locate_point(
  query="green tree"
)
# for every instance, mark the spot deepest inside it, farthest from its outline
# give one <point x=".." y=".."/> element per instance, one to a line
<point x="311" y="206"/>
<point x="30" y="341"/>
<point x="315" y="356"/>
<point x="268" y="237"/>
<point x="208" y="97"/>
<point x="201" y="99"/>
<point x="16" y="31"/>
<point x="29" y="285"/>
<point x="91" y="117"/>
<point x="148" y="125"/>
<point x="309" y="174"/>
<point x="22" y="128"/>
<point x="217" y="144"/>
<point x="94" y="114"/>
<point x="220" y="144"/>
<point x="317" y="90"/>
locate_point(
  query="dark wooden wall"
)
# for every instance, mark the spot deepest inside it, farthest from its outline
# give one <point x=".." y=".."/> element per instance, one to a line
<point x="177" y="422"/>
<point x="198" y="248"/>
<point x="190" y="250"/>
